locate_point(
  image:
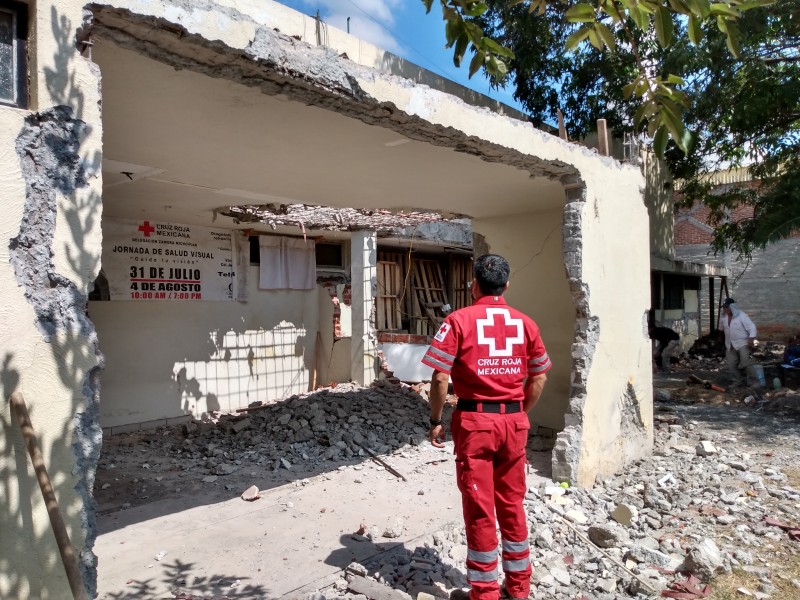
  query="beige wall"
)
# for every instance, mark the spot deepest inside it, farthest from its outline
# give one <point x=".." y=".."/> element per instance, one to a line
<point x="51" y="373"/>
<point x="617" y="414"/>
<point x="532" y="243"/>
<point x="166" y="360"/>
<point x="660" y="200"/>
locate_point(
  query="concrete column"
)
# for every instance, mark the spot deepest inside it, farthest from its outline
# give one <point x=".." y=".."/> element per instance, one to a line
<point x="364" y="352"/>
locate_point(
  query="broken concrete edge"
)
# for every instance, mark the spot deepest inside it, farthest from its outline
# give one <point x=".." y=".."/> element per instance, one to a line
<point x="278" y="64"/>
<point x="48" y="149"/>
<point x="567" y="451"/>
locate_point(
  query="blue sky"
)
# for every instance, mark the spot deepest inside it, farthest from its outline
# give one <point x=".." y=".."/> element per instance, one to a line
<point x="403" y="28"/>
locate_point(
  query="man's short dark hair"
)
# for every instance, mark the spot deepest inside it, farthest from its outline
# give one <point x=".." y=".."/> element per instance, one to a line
<point x="491" y="273"/>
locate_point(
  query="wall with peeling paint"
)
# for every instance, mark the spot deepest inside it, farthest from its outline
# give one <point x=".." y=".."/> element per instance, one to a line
<point x="50" y="199"/>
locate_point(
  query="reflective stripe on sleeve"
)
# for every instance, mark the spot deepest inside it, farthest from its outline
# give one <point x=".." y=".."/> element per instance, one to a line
<point x="516" y="546"/>
<point x="433" y="363"/>
<point x="473" y="575"/>
<point x="539" y="365"/>
<point x="516" y="566"/>
<point x="482" y="557"/>
<point x="440" y="354"/>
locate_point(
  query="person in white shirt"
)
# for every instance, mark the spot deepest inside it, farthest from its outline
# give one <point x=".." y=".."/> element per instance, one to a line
<point x="740" y="337"/>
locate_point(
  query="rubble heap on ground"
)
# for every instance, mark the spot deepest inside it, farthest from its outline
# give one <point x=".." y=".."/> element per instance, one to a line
<point x="699" y="505"/>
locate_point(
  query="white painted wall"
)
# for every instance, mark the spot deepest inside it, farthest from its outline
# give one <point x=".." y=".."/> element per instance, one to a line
<point x="404" y="361"/>
<point x="167" y="360"/>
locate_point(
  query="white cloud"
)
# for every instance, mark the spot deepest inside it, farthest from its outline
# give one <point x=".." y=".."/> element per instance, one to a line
<point x="370" y="20"/>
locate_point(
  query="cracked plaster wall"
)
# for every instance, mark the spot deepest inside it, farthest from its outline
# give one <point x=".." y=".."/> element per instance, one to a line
<point x="50" y="199"/>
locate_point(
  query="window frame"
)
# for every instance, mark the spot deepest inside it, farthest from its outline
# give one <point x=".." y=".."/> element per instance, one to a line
<point x="19" y="59"/>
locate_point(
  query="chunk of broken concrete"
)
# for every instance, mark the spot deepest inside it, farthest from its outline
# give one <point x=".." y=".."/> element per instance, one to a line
<point x="576" y="516"/>
<point x="624" y="513"/>
<point x="704" y="559"/>
<point x="607" y="536"/>
<point x="251" y="494"/>
<point x="705" y="448"/>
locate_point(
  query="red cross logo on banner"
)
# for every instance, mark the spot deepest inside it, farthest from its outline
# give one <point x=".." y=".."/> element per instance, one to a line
<point x="146" y="228"/>
<point x="500" y="336"/>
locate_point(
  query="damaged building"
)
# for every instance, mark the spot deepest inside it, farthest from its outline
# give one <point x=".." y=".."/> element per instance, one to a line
<point x="164" y="169"/>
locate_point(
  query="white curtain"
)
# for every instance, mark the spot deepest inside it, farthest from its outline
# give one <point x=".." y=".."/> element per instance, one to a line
<point x="287" y="263"/>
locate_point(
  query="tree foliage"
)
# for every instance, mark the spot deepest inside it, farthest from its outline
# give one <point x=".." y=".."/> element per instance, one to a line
<point x="714" y="85"/>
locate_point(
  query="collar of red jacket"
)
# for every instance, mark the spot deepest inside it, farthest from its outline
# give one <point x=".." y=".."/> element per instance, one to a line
<point x="490" y="300"/>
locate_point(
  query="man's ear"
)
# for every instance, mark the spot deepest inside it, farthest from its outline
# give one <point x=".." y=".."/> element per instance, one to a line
<point x="507" y="284"/>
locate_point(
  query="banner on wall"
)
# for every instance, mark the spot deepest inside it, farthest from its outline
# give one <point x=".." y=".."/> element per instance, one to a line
<point x="149" y="260"/>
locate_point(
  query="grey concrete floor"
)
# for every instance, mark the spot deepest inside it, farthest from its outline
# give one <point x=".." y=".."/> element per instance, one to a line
<point x="297" y="537"/>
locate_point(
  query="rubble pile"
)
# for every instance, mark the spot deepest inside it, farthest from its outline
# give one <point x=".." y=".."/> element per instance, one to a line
<point x="700" y="506"/>
<point x="719" y="492"/>
<point x="329" y="425"/>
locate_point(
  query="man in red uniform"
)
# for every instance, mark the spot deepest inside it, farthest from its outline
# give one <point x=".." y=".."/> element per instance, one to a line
<point x="498" y="364"/>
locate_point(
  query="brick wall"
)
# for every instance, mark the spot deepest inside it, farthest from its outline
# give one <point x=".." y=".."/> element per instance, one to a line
<point x="768" y="289"/>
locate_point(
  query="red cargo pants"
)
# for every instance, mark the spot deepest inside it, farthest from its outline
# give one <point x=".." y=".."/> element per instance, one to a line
<point x="490" y="466"/>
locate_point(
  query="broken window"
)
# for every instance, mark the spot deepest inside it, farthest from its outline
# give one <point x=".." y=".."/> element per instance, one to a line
<point x="13" y="54"/>
<point x="673" y="292"/>
<point x="330" y="255"/>
<point x="416" y="291"/>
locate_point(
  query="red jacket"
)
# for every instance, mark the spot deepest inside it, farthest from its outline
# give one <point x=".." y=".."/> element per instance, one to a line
<point x="488" y="349"/>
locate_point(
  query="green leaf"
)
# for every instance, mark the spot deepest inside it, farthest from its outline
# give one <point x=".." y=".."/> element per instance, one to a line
<point x="428" y="4"/>
<point x="577" y="37"/>
<point x="720" y="9"/>
<point x="732" y="41"/>
<point x="701" y="8"/>
<point x="452" y="31"/>
<point x="680" y="7"/>
<point x="491" y="46"/>
<point x="460" y="49"/>
<point x="694" y="30"/>
<point x="476" y="10"/>
<point x="675" y="126"/>
<point x="675" y="80"/>
<point x="628" y="89"/>
<point x="580" y="13"/>
<point x="476" y="63"/>
<point x="595" y="39"/>
<point x="640" y="17"/>
<point x="664" y="27"/>
<point x="660" y="141"/>
<point x="606" y="35"/>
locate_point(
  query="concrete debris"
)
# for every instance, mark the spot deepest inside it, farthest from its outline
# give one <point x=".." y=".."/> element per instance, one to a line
<point x="330" y="218"/>
<point x="705" y="448"/>
<point x="689" y="504"/>
<point x="251" y="494"/>
<point x="394" y="529"/>
<point x="704" y="559"/>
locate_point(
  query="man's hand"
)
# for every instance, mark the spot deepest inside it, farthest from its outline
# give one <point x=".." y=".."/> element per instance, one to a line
<point x="436" y="436"/>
